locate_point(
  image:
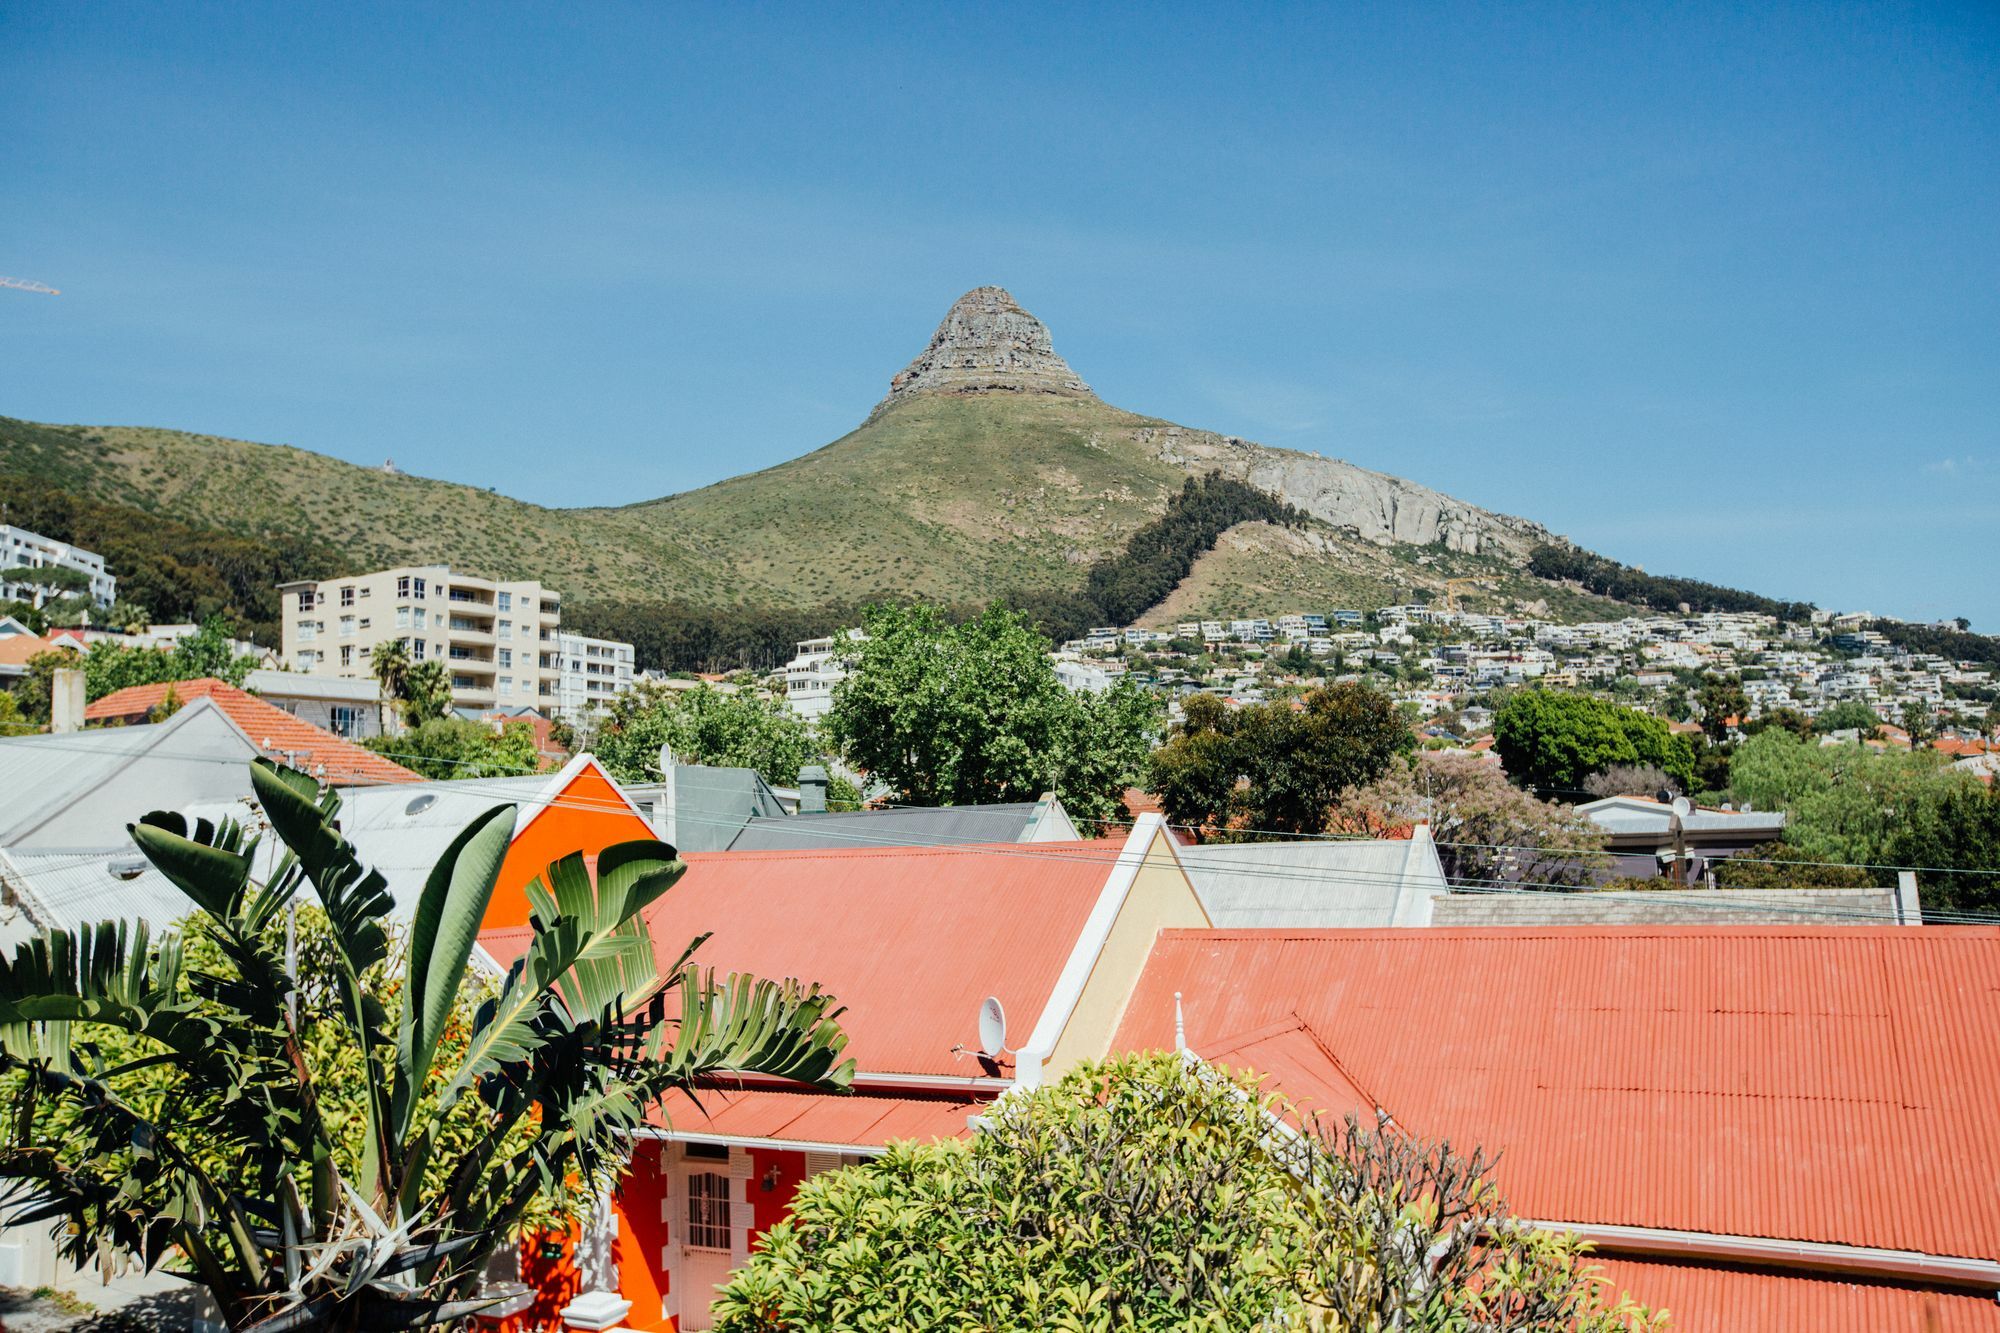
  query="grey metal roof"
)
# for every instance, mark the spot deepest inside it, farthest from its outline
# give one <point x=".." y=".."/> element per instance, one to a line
<point x="1625" y="816"/>
<point x="62" y="889"/>
<point x="711" y="805"/>
<point x="1316" y="884"/>
<point x="42" y="776"/>
<point x="940" y="826"/>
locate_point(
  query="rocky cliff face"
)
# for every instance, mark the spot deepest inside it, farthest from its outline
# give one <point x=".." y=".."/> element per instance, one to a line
<point x="1373" y="505"/>
<point x="988" y="343"/>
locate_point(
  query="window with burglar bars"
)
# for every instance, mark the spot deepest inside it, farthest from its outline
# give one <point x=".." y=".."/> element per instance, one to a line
<point x="708" y="1210"/>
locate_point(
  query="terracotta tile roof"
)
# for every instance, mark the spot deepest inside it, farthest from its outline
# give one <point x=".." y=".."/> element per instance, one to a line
<point x="273" y="730"/>
<point x="909" y="939"/>
<point x="1830" y="1084"/>
<point x="16" y="649"/>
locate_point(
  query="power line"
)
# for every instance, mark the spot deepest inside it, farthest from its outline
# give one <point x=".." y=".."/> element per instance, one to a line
<point x="1467" y="884"/>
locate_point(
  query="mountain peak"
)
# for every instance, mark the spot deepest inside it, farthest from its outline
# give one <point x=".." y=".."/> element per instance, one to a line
<point x="988" y="342"/>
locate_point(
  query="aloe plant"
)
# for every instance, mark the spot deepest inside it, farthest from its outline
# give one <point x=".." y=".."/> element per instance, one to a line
<point x="241" y="1175"/>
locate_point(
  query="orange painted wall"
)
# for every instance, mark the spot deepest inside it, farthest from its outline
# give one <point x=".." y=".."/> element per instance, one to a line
<point x="642" y="1239"/>
<point x="587" y="816"/>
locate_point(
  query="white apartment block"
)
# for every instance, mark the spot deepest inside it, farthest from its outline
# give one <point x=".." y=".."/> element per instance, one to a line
<point x="811" y="675"/>
<point x="21" y="549"/>
<point x="499" y="639"/>
<point x="594" y="672"/>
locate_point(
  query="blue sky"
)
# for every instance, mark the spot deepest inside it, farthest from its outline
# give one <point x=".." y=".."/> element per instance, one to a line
<point x="1711" y="290"/>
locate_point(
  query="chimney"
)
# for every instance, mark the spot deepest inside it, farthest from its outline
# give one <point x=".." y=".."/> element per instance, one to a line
<point x="66" y="700"/>
<point x="812" y="790"/>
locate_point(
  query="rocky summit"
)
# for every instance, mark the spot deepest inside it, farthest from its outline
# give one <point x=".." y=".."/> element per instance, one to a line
<point x="987" y="342"/>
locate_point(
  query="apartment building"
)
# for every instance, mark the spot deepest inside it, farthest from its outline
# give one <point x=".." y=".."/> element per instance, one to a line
<point x="819" y="665"/>
<point x="21" y="549"/>
<point x="593" y="673"/>
<point x="499" y="639"/>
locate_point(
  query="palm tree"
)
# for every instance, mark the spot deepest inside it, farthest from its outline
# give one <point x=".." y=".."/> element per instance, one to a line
<point x="296" y="1216"/>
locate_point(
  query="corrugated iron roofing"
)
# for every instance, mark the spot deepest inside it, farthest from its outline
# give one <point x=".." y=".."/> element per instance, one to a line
<point x="860" y="1119"/>
<point x="942" y="826"/>
<point x="276" y="732"/>
<point x="1716" y="1298"/>
<point x="910" y="939"/>
<point x="1831" y="1084"/>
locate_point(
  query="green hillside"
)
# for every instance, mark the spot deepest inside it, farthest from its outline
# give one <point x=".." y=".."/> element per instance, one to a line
<point x="957" y="498"/>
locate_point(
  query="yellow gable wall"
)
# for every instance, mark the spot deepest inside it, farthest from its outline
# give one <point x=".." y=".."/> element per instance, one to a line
<point x="1161" y="899"/>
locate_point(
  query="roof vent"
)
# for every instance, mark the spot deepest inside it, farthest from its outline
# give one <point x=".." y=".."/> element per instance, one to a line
<point x="130" y="867"/>
<point x="419" y="804"/>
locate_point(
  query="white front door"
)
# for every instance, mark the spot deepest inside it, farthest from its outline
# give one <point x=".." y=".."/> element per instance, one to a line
<point x="706" y="1238"/>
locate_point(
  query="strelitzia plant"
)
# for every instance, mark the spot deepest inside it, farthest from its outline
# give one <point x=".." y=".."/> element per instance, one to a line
<point x="479" y="1097"/>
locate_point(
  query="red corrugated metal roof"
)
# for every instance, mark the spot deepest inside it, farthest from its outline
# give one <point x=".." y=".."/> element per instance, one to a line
<point x="1833" y="1084"/>
<point x="273" y="730"/>
<point x="860" y="1119"/>
<point x="910" y="939"/>
<point x="1713" y="1298"/>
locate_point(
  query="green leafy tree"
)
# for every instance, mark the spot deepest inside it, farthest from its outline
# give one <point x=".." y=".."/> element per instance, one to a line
<point x="1787" y="719"/>
<point x="291" y="1212"/>
<point x="1844" y="802"/>
<point x="1848" y="715"/>
<point x="973" y="714"/>
<point x="1553" y="741"/>
<point x="1954" y="839"/>
<point x="1919" y="722"/>
<point x="1275" y="768"/>
<point x="1718" y="699"/>
<point x="705" y="726"/>
<point x="1156" y="1193"/>
<point x="454" y="747"/>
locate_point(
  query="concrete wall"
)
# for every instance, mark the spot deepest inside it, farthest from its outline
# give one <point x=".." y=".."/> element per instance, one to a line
<point x="1822" y="907"/>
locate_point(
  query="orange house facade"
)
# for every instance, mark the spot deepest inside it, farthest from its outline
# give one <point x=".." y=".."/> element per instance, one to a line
<point x="913" y="941"/>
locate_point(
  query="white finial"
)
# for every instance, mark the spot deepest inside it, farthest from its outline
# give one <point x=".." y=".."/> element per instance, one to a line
<point x="1180" y="1025"/>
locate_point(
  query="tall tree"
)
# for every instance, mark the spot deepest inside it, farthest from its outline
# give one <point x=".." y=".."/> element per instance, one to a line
<point x="1275" y="767"/>
<point x="294" y="1218"/>
<point x="1553" y="741"/>
<point x="704" y="725"/>
<point x="972" y="713"/>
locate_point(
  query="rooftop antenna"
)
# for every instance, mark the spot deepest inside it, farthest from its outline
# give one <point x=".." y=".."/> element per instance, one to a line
<point x="22" y="284"/>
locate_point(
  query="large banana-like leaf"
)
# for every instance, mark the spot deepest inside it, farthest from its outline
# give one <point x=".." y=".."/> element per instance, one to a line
<point x="749" y="1025"/>
<point x="107" y="973"/>
<point x="209" y="864"/>
<point x="356" y="899"/>
<point x="442" y="934"/>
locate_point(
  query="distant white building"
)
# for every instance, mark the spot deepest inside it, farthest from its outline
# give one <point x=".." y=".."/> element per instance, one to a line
<point x="811" y="675"/>
<point x="593" y="673"/>
<point x="21" y="549"/>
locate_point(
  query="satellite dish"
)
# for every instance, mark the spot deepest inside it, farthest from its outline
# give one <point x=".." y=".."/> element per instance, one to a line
<point x="1683" y="807"/>
<point x="992" y="1027"/>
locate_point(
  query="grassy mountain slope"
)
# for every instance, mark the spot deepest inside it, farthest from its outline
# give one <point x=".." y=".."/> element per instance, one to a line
<point x="957" y="498"/>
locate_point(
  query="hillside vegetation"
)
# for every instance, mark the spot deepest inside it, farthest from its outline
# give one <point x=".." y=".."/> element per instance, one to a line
<point x="1080" y="512"/>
